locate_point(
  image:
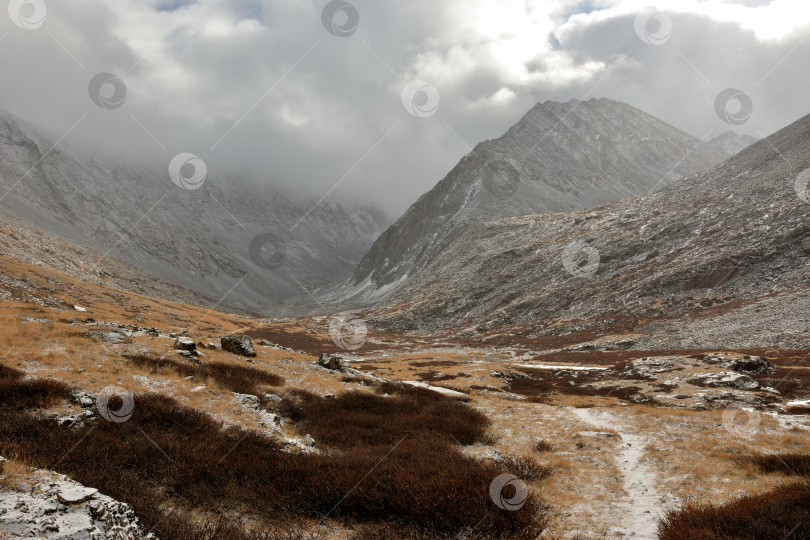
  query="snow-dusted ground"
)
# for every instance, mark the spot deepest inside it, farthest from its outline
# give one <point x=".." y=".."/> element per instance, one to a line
<point x="643" y="504"/>
<point x="52" y="506"/>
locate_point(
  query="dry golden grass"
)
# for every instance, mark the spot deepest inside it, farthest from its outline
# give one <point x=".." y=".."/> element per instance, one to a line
<point x="14" y="474"/>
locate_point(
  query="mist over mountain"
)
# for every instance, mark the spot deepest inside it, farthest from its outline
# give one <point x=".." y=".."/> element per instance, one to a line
<point x="236" y="241"/>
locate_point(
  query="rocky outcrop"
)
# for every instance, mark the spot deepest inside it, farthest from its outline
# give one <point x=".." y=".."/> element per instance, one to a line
<point x="749" y="365"/>
<point x="331" y="361"/>
<point x="238" y="344"/>
<point x="185" y="344"/>
<point x="725" y="379"/>
<point x="52" y="506"/>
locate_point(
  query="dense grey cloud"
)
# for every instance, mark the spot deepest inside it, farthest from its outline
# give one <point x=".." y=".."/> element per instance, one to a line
<point x="263" y="89"/>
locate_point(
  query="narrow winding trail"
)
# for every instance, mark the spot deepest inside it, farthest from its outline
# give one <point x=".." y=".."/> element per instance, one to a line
<point x="640" y="509"/>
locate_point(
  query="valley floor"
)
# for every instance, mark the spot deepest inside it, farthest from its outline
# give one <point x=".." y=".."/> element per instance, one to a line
<point x="627" y="435"/>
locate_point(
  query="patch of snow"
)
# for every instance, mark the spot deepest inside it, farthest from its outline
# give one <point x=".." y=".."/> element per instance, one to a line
<point x="439" y="389"/>
<point x="560" y="366"/>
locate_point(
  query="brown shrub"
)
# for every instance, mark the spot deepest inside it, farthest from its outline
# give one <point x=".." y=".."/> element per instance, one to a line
<point x="783" y="513"/>
<point x="524" y="467"/>
<point x="793" y="464"/>
<point x="170" y="457"/>
<point x="358" y="419"/>
<point x="242" y="379"/>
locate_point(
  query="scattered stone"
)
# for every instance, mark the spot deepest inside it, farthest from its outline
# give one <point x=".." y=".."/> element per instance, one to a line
<point x="272" y="397"/>
<point x="624" y="344"/>
<point x="248" y="400"/>
<point x="84" y="399"/>
<point x="264" y="343"/>
<point x="646" y="367"/>
<point x="583" y="347"/>
<point x="330" y="361"/>
<point x="565" y="373"/>
<point x="238" y="344"/>
<point x="76" y="420"/>
<point x="329" y="396"/>
<point x="79" y="308"/>
<point x="725" y="379"/>
<point x="185" y="344"/>
<point x="113" y="338"/>
<point x="308" y="440"/>
<point x="75" y="495"/>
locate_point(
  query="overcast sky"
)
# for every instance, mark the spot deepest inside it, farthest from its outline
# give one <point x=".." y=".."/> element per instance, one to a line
<point x="314" y="94"/>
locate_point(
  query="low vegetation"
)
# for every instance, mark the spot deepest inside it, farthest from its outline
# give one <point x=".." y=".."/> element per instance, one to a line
<point x="190" y="477"/>
<point x="242" y="379"/>
<point x="782" y="513"/>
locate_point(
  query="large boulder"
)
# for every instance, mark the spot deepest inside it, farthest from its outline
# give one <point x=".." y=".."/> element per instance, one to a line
<point x="330" y="361"/>
<point x="185" y="344"/>
<point x="751" y="365"/>
<point x="238" y="344"/>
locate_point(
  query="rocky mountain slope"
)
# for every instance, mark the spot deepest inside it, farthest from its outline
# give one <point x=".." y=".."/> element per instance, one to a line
<point x="696" y="251"/>
<point x="732" y="143"/>
<point x="231" y="240"/>
<point x="558" y="157"/>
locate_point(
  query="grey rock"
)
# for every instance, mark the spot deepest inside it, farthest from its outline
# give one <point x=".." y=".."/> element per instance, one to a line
<point x="331" y="361"/>
<point x="239" y="344"/>
<point x="185" y="344"/>
<point x="725" y="379"/>
<point x="113" y="338"/>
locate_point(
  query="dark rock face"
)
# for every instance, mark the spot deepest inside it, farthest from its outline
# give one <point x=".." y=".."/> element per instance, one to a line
<point x="238" y="344"/>
<point x="558" y="157"/>
<point x="751" y="365"/>
<point x="331" y="361"/>
<point x="728" y="240"/>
